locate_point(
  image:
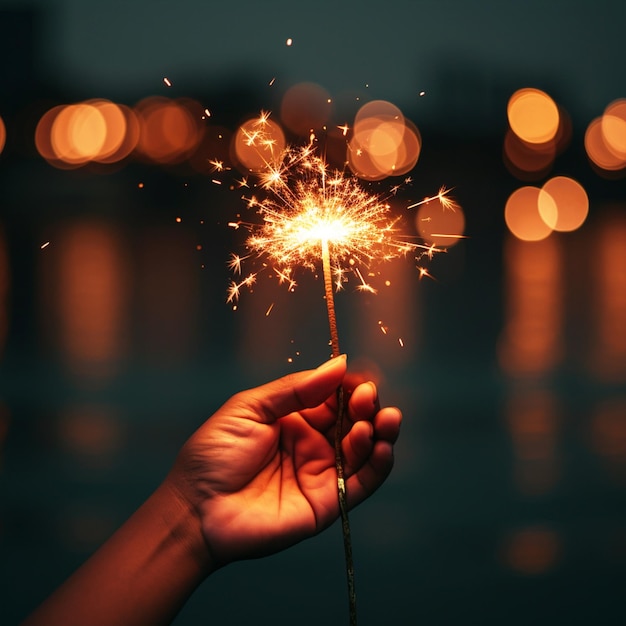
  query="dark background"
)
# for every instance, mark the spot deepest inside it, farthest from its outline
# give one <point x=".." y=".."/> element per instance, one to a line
<point x="507" y="501"/>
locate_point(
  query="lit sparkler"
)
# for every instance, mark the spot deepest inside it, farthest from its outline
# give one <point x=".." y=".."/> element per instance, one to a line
<point x="313" y="215"/>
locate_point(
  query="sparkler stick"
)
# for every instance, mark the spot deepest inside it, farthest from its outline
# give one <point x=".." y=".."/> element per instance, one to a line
<point x="310" y="213"/>
<point x="339" y="466"/>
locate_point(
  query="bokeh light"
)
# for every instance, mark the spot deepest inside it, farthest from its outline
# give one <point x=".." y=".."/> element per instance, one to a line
<point x="527" y="162"/>
<point x="609" y="299"/>
<point x="614" y="128"/>
<point x="70" y="136"/>
<point x="170" y="130"/>
<point x="533" y="115"/>
<point x="253" y="154"/>
<point x="5" y="281"/>
<point x="522" y="216"/>
<point x="605" y="139"/>
<point x="443" y="227"/>
<point x="533" y="550"/>
<point x="383" y="142"/>
<point x="532" y="340"/>
<point x="570" y="200"/>
<point x="305" y="107"/>
<point x="3" y="135"/>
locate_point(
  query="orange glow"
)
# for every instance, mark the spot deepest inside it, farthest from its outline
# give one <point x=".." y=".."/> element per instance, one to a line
<point x="305" y="107"/>
<point x="3" y="135"/>
<point x="92" y="433"/>
<point x="169" y="131"/>
<point x="533" y="551"/>
<point x="533" y="116"/>
<point x="527" y="161"/>
<point x="84" y="276"/>
<point x="598" y="151"/>
<point x="608" y="430"/>
<point x="383" y="143"/>
<point x="569" y="199"/>
<point x="78" y="133"/>
<point x="259" y="141"/>
<point x="70" y="136"/>
<point x="43" y="136"/>
<point x="532" y="341"/>
<point x="5" y="281"/>
<point x="609" y="301"/>
<point x="614" y="128"/>
<point x="533" y="424"/>
<point x="122" y="133"/>
<point x="439" y="226"/>
<point x="522" y="216"/>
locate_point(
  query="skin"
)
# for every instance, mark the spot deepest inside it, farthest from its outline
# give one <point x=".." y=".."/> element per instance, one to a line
<point x="257" y="477"/>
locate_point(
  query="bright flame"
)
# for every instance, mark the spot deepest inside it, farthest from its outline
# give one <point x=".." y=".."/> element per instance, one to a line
<point x="309" y="208"/>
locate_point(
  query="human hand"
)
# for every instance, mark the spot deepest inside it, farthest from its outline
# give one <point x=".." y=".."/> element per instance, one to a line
<point x="260" y="473"/>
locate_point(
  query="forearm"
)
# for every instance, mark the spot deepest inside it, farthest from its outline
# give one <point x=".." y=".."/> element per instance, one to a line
<point x="142" y="575"/>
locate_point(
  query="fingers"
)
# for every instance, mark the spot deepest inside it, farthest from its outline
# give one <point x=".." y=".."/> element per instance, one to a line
<point x="368" y="453"/>
<point x="295" y="392"/>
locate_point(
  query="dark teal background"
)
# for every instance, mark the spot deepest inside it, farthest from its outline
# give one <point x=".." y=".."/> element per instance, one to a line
<point x="434" y="545"/>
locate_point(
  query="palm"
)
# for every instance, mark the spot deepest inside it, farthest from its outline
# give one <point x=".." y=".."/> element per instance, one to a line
<point x="269" y="486"/>
<point x="261" y="471"/>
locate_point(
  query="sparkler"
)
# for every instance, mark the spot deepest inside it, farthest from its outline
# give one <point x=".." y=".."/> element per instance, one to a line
<point x="311" y="215"/>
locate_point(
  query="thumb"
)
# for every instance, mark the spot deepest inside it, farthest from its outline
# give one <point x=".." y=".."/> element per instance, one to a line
<point x="294" y="392"/>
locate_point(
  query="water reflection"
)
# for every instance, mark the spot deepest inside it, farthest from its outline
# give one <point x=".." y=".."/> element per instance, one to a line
<point x="85" y="297"/>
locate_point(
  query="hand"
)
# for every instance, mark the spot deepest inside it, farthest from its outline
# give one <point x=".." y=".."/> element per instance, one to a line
<point x="260" y="473"/>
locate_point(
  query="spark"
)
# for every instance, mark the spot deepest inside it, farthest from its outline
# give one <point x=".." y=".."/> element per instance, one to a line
<point x="218" y="166"/>
<point x="424" y="272"/>
<point x="167" y="81"/>
<point x="272" y="81"/>
<point x="309" y="210"/>
<point x="269" y="310"/>
<point x="44" y="245"/>
<point x="344" y="129"/>
<point x="442" y="196"/>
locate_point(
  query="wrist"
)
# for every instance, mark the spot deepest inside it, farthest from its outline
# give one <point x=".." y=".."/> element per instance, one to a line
<point x="185" y="525"/>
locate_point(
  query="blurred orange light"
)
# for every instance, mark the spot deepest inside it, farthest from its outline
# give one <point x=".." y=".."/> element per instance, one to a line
<point x="533" y="551"/>
<point x="169" y="132"/>
<point x="3" y="135"/>
<point x="87" y="281"/>
<point x="609" y="299"/>
<point x="598" y="151"/>
<point x="533" y="115"/>
<point x="527" y="161"/>
<point x="304" y="108"/>
<point x="522" y="216"/>
<point x="614" y="128"/>
<point x="5" y="281"/>
<point x="532" y="340"/>
<point x="440" y="226"/>
<point x="78" y="133"/>
<point x="569" y="199"/>
<point x="253" y="154"/>
<point x="383" y="143"/>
